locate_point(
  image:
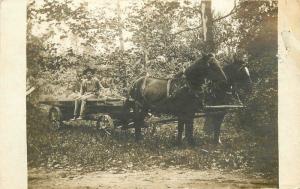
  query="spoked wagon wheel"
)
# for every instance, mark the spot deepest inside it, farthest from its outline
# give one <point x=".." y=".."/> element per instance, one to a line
<point x="105" y="123"/>
<point x="55" y="117"/>
<point x="99" y="123"/>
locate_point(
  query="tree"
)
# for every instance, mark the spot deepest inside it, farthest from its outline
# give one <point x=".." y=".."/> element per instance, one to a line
<point x="257" y="31"/>
<point x="207" y="26"/>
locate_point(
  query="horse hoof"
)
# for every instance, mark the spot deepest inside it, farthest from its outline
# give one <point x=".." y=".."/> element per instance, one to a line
<point x="201" y="142"/>
<point x="179" y="142"/>
<point x="217" y="142"/>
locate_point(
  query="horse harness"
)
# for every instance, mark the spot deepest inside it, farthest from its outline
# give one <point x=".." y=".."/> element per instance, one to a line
<point x="173" y="86"/>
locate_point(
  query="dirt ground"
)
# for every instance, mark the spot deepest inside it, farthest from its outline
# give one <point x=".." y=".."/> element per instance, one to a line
<point x="153" y="178"/>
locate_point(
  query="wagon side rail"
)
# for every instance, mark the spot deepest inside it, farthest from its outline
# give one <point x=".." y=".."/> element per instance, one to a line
<point x="96" y="102"/>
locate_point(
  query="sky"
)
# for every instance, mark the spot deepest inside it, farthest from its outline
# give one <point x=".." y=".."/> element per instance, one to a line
<point x="222" y="6"/>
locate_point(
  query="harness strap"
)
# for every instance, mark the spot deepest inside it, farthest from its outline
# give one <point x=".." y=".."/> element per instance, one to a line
<point x="168" y="88"/>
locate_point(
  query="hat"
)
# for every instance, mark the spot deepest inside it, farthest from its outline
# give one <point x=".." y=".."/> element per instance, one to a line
<point x="88" y="69"/>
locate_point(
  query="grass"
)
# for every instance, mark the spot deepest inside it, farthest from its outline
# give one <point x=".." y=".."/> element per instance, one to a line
<point x="84" y="148"/>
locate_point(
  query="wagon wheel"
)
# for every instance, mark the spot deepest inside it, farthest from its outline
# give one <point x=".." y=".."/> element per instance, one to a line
<point x="55" y="117"/>
<point x="98" y="123"/>
<point x="104" y="123"/>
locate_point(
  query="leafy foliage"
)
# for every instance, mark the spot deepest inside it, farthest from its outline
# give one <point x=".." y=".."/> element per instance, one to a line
<point x="161" y="38"/>
<point x="258" y="37"/>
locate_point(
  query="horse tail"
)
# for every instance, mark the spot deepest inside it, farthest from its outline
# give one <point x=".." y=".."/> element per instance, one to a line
<point x="135" y="89"/>
<point x="134" y="94"/>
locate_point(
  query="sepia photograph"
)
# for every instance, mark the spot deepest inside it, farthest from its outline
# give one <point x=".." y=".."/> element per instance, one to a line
<point x="152" y="94"/>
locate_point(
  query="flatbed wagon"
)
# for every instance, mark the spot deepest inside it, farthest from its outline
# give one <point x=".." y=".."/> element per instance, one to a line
<point x="96" y="109"/>
<point x="118" y="109"/>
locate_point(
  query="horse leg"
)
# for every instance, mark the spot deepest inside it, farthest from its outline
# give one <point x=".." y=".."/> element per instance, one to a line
<point x="138" y="130"/>
<point x="189" y="130"/>
<point x="140" y="114"/>
<point x="125" y="114"/>
<point x="208" y="125"/>
<point x="217" y="122"/>
<point x="180" y="130"/>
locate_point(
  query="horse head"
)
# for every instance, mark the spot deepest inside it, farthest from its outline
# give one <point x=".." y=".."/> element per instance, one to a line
<point x="215" y="72"/>
<point x="238" y="73"/>
<point x="206" y="67"/>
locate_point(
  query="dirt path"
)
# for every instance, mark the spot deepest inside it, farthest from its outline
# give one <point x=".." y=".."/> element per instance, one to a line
<point x="154" y="178"/>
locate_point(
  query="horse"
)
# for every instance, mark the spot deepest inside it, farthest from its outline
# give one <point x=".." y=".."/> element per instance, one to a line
<point x="179" y="96"/>
<point x="238" y="77"/>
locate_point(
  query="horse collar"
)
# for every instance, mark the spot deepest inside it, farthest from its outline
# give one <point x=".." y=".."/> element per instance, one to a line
<point x="184" y="74"/>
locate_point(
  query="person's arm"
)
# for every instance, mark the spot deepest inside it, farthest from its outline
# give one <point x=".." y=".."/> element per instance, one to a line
<point x="76" y="87"/>
<point x="100" y="86"/>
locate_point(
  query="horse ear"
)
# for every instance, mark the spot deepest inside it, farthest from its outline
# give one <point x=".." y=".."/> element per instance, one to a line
<point x="210" y="55"/>
<point x="235" y="59"/>
<point x="207" y="58"/>
<point x="209" y="61"/>
<point x="208" y="64"/>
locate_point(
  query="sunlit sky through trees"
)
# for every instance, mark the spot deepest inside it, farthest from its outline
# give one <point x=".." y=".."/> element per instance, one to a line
<point x="108" y="8"/>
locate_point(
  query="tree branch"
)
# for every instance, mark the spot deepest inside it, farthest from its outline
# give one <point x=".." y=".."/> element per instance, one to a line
<point x="234" y="9"/>
<point x="185" y="30"/>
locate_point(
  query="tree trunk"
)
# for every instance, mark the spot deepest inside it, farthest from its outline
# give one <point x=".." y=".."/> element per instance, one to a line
<point x="121" y="48"/>
<point x="146" y="60"/>
<point x="120" y="25"/>
<point x="207" y="23"/>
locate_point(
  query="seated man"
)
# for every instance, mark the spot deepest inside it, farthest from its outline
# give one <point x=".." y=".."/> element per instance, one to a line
<point x="89" y="89"/>
<point x="76" y="85"/>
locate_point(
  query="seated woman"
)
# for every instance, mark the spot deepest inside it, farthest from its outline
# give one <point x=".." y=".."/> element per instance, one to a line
<point x="89" y="89"/>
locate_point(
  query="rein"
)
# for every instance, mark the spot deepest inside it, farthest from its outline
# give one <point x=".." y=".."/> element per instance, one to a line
<point x="177" y="83"/>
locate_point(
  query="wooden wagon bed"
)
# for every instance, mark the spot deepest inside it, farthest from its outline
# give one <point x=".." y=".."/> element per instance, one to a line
<point x="62" y="110"/>
<point x="93" y="102"/>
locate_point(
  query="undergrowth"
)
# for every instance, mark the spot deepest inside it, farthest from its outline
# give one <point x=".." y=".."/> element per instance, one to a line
<point x="84" y="148"/>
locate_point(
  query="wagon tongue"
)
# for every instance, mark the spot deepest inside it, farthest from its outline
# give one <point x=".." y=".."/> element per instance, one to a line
<point x="223" y="107"/>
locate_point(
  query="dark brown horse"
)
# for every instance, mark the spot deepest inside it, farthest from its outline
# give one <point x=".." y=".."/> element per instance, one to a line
<point x="238" y="77"/>
<point x="179" y="96"/>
